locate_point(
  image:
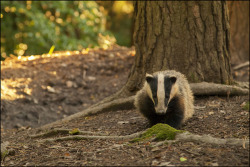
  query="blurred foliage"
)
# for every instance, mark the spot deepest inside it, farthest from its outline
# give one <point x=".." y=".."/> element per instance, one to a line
<point x="120" y="20"/>
<point x="33" y="27"/>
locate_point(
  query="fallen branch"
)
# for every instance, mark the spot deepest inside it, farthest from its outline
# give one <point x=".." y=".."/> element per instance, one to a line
<point x="84" y="137"/>
<point x="186" y="136"/>
<point x="246" y="64"/>
<point x="205" y="88"/>
<point x="54" y="132"/>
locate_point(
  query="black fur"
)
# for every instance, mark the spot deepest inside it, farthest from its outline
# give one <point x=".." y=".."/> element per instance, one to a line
<point x="173" y="116"/>
<point x="168" y="83"/>
<point x="153" y="82"/>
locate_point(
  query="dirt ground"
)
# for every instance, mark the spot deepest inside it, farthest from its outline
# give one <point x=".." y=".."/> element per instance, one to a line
<point x="39" y="90"/>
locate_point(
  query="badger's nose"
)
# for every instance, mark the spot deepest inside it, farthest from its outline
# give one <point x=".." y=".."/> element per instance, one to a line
<point x="160" y="112"/>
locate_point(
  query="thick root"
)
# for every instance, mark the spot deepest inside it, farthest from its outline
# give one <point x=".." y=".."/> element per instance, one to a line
<point x="54" y="132"/>
<point x="207" y="89"/>
<point x="84" y="137"/>
<point x="114" y="103"/>
<point x="118" y="104"/>
<point x="185" y="136"/>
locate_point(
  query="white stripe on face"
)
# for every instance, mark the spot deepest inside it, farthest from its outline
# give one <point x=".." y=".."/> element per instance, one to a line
<point x="160" y="108"/>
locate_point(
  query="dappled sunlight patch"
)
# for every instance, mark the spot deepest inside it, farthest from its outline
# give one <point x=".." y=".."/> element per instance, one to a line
<point x="47" y="55"/>
<point x="18" y="89"/>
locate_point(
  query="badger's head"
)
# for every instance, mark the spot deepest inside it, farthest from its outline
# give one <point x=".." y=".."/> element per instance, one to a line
<point x="161" y="89"/>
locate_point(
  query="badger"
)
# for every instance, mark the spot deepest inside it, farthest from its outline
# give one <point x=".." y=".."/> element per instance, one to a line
<point x="166" y="97"/>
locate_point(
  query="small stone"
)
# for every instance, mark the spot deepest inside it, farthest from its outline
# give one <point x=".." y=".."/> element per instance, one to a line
<point x="111" y="55"/>
<point x="24" y="146"/>
<point x="69" y="84"/>
<point x="123" y="122"/>
<point x="90" y="78"/>
<point x="64" y="65"/>
<point x="155" y="149"/>
<point x="51" y="89"/>
<point x="215" y="164"/>
<point x="222" y="111"/>
<point x="155" y="162"/>
<point x="35" y="101"/>
<point x="165" y="164"/>
<point x="210" y="113"/>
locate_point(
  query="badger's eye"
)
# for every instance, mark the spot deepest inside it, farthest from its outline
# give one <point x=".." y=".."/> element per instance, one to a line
<point x="154" y="97"/>
<point x="166" y="96"/>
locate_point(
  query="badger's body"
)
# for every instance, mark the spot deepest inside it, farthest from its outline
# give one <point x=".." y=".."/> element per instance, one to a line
<point x="166" y="97"/>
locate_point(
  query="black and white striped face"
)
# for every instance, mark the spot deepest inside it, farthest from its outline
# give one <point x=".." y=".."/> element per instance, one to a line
<point x="161" y="89"/>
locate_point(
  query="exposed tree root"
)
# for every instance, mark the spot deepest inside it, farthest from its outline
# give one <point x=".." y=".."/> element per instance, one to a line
<point x="54" y="132"/>
<point x="118" y="104"/>
<point x="123" y="93"/>
<point x="185" y="136"/>
<point x="119" y="101"/>
<point x="84" y="137"/>
<point x="205" y="88"/>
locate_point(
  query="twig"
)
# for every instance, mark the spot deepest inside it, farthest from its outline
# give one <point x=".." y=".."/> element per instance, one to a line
<point x="246" y="64"/>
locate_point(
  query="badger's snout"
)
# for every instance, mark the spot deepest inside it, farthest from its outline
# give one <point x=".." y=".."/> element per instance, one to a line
<point x="161" y="112"/>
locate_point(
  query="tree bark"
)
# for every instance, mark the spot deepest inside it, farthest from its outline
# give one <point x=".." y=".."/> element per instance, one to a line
<point x="239" y="30"/>
<point x="189" y="37"/>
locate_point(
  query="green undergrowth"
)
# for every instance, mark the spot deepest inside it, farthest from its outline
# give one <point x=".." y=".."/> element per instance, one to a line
<point x="246" y="106"/>
<point x="4" y="153"/>
<point x="159" y="132"/>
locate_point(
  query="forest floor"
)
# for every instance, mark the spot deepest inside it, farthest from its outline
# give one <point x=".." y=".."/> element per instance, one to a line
<point x="38" y="90"/>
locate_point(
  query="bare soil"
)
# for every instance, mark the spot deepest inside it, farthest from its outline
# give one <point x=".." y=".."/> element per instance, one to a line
<point x="44" y="89"/>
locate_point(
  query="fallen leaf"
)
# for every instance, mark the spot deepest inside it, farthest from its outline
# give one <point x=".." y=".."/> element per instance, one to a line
<point x="74" y="131"/>
<point x="50" y="89"/>
<point x="182" y="159"/>
<point x="210" y="113"/>
<point x="69" y="84"/>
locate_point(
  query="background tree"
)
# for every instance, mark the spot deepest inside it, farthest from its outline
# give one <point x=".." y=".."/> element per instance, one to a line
<point x="190" y="37"/>
<point x="239" y="30"/>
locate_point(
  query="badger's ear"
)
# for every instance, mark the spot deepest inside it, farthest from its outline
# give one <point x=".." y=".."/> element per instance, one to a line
<point x="149" y="77"/>
<point x="173" y="79"/>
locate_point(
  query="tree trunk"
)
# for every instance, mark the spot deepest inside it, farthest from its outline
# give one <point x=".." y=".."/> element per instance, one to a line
<point x="190" y="37"/>
<point x="239" y="30"/>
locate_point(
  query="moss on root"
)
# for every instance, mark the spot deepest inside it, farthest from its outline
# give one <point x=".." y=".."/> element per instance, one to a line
<point x="246" y="106"/>
<point x="159" y="132"/>
<point x="4" y="154"/>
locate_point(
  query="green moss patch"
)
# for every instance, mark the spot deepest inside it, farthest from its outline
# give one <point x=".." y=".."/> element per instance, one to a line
<point x="4" y="154"/>
<point x="159" y="132"/>
<point x="246" y="106"/>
